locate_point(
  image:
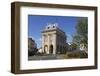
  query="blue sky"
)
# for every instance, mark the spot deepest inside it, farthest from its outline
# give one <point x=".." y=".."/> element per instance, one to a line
<point x="36" y="23"/>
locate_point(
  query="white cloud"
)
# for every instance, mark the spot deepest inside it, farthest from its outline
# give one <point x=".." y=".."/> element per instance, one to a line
<point x="40" y="39"/>
<point x="69" y="38"/>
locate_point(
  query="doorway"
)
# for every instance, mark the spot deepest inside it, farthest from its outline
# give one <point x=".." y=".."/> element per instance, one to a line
<point x="51" y="49"/>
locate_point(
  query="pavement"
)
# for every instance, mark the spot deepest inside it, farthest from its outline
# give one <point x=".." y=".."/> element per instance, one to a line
<point x="47" y="57"/>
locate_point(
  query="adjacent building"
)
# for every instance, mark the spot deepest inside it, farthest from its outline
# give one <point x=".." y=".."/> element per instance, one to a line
<point x="32" y="46"/>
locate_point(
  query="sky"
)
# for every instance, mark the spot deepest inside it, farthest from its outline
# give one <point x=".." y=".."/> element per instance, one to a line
<point x="36" y="23"/>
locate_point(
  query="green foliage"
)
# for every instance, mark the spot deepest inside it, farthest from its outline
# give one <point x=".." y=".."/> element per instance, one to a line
<point x="73" y="46"/>
<point x="82" y="27"/>
<point x="76" y="39"/>
<point x="81" y="31"/>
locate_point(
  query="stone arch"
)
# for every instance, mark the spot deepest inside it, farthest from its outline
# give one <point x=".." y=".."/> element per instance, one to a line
<point x="45" y="48"/>
<point x="51" y="49"/>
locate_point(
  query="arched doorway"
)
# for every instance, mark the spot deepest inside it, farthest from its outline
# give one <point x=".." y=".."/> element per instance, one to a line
<point x="45" y="49"/>
<point x="51" y="49"/>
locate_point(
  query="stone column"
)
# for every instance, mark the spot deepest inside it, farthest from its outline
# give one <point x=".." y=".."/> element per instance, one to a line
<point x="48" y="44"/>
<point x="54" y="44"/>
<point x="42" y="43"/>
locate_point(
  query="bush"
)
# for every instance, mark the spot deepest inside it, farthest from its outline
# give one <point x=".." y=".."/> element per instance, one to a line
<point x="77" y="54"/>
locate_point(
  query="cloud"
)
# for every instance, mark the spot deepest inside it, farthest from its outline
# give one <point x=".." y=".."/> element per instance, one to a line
<point x="40" y="39"/>
<point x="69" y="38"/>
<point x="38" y="42"/>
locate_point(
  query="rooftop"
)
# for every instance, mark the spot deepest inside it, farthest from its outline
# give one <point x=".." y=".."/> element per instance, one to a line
<point x="51" y="27"/>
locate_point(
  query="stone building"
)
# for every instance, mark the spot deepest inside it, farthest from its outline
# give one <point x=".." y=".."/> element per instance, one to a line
<point x="53" y="40"/>
<point x="32" y="47"/>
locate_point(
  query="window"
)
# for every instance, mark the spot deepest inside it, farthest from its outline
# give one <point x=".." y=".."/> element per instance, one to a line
<point x="48" y="27"/>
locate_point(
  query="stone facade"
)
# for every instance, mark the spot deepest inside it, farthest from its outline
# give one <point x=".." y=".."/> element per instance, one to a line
<point x="53" y="40"/>
<point x="32" y="47"/>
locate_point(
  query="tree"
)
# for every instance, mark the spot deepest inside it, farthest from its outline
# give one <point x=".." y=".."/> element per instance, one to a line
<point x="73" y="46"/>
<point x="81" y="35"/>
